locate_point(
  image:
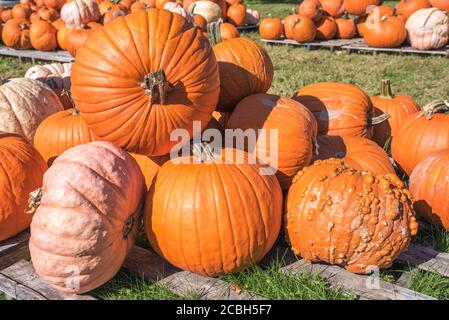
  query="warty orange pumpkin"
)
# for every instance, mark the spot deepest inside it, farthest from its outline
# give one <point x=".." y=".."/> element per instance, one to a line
<point x="139" y="88"/>
<point x="224" y="218"/>
<point x="21" y="172"/>
<point x="337" y="215"/>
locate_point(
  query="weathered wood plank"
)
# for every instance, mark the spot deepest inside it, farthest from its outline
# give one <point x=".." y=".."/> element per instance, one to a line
<point x="58" y="56"/>
<point x="363" y="286"/>
<point x="21" y="282"/>
<point x="332" y="44"/>
<point x="147" y="264"/>
<point x="426" y="259"/>
<point x="14" y="249"/>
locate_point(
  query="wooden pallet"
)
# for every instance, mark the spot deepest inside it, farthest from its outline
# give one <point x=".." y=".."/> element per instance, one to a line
<point x="248" y="28"/>
<point x="57" y="56"/>
<point x="18" y="279"/>
<point x="357" y="45"/>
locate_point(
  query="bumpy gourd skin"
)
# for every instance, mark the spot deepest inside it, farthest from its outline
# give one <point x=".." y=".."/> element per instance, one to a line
<point x="338" y="215"/>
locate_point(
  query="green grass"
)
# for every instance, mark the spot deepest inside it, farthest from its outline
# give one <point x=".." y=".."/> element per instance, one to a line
<point x="2" y="296"/>
<point x="430" y="284"/>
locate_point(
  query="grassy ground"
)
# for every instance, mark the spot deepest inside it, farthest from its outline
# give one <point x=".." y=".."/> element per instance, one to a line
<point x="424" y="78"/>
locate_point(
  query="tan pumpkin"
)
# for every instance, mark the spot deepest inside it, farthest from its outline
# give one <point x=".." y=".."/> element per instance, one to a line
<point x="428" y="29"/>
<point x="79" y="12"/>
<point x="208" y="9"/>
<point x="24" y="104"/>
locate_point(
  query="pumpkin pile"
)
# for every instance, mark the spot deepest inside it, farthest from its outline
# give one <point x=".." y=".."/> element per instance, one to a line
<point x="423" y="23"/>
<point x="115" y="168"/>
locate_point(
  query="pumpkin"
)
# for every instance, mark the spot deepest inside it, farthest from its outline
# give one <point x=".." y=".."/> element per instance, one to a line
<point x="61" y="35"/>
<point x="43" y="36"/>
<point x="359" y="7"/>
<point x="271" y="28"/>
<point x="61" y="131"/>
<point x="87" y="217"/>
<point x="346" y="28"/>
<point x="54" y="4"/>
<point x="200" y="22"/>
<point x="6" y="15"/>
<point x="380" y="11"/>
<point x="237" y="14"/>
<point x="56" y="76"/>
<point x="20" y="11"/>
<point x="341" y="109"/>
<point x="76" y="37"/>
<point x="188" y="4"/>
<point x="440" y="4"/>
<point x="177" y="8"/>
<point x="294" y="144"/>
<point x="236" y="212"/>
<point x="386" y="32"/>
<point x="338" y="215"/>
<point x="24" y="104"/>
<point x="16" y="34"/>
<point x="409" y="7"/>
<point x="333" y="8"/>
<point x="58" y="23"/>
<point x="187" y="75"/>
<point x="399" y="107"/>
<point x="34" y="17"/>
<point x="21" y="172"/>
<point x="311" y="9"/>
<point x="161" y="3"/>
<point x="228" y="31"/>
<point x="289" y="23"/>
<point x="359" y="153"/>
<point x="374" y="13"/>
<point x="360" y="23"/>
<point x="149" y="166"/>
<point x="429" y="185"/>
<point x="244" y="69"/>
<point x="39" y="3"/>
<point x="252" y="16"/>
<point x="112" y="14"/>
<point x="208" y="9"/>
<point x="422" y="135"/>
<point x="138" y="6"/>
<point x="149" y="3"/>
<point x="79" y="12"/>
<point x="326" y="28"/>
<point x="304" y="30"/>
<point x="48" y="14"/>
<point x="428" y="29"/>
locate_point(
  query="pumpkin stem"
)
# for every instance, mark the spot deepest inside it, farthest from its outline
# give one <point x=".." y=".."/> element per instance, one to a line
<point x="377" y="120"/>
<point x="213" y="32"/>
<point x="156" y="81"/>
<point x="129" y="224"/>
<point x="385" y="89"/>
<point x="437" y="106"/>
<point x="72" y="101"/>
<point x="34" y="201"/>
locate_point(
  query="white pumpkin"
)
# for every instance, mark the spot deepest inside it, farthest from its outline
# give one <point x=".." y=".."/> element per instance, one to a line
<point x="209" y="10"/>
<point x="24" y="104"/>
<point x="78" y="12"/>
<point x="177" y="8"/>
<point x="428" y="29"/>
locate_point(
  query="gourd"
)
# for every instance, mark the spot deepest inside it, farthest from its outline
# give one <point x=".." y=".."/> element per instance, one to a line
<point x="338" y="215"/>
<point x="428" y="29"/>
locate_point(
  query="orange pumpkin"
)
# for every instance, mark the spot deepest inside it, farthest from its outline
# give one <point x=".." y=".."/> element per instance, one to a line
<point x="54" y="4"/>
<point x="200" y="22"/>
<point x="294" y="143"/>
<point x="61" y="35"/>
<point x="359" y="153"/>
<point x="76" y="37"/>
<point x="20" y="11"/>
<point x="228" y="31"/>
<point x="236" y="14"/>
<point x="421" y="135"/>
<point x="112" y="14"/>
<point x="385" y="32"/>
<point x="360" y="23"/>
<point x="409" y="7"/>
<point x="359" y="7"/>
<point x="58" y="24"/>
<point x="271" y="28"/>
<point x="350" y="218"/>
<point x="346" y="28"/>
<point x="6" y="15"/>
<point x="333" y="8"/>
<point x="187" y="77"/>
<point x="21" y="172"/>
<point x="304" y="30"/>
<point x="47" y="14"/>
<point x="150" y="166"/>
<point x="311" y="9"/>
<point x="138" y="6"/>
<point x="43" y="36"/>
<point x="326" y="28"/>
<point x="16" y="34"/>
<point x="440" y="4"/>
<point x="399" y="107"/>
<point x="236" y="212"/>
<point x="289" y="22"/>
<point x="161" y="3"/>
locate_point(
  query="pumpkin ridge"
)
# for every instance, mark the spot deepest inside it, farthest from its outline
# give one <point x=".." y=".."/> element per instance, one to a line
<point x="6" y="97"/>
<point x="142" y="64"/>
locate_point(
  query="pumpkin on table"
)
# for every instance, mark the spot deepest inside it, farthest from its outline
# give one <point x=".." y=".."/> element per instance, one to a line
<point x="409" y="7"/>
<point x="221" y="223"/>
<point x="237" y="14"/>
<point x="20" y="11"/>
<point x="87" y="216"/>
<point x="385" y="32"/>
<point x="43" y="36"/>
<point x="399" y="107"/>
<point x="421" y="135"/>
<point x="359" y="7"/>
<point x="338" y="215"/>
<point x="346" y="28"/>
<point x="6" y="15"/>
<point x="303" y="29"/>
<point x="428" y="29"/>
<point x="48" y="14"/>
<point x="292" y="147"/>
<point x="21" y="172"/>
<point x="440" y="4"/>
<point x="140" y="89"/>
<point x="311" y="9"/>
<point x="24" y="104"/>
<point x="16" y="34"/>
<point x="271" y="28"/>
<point x="74" y="38"/>
<point x="359" y="153"/>
<point x="326" y="28"/>
<point x="333" y="8"/>
<point x="79" y="12"/>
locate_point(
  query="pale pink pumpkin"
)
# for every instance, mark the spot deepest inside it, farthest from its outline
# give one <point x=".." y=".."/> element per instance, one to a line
<point x="79" y="12"/>
<point x="428" y="29"/>
<point x="88" y="217"/>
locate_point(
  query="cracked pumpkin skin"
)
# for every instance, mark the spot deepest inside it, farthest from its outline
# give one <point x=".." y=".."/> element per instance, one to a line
<point x="338" y="215"/>
<point x="88" y="218"/>
<point x="143" y="76"/>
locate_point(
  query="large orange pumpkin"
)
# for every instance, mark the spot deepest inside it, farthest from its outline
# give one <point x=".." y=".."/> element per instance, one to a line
<point x="303" y="30"/>
<point x="291" y="149"/>
<point x="340" y="108"/>
<point x="429" y="185"/>
<point x="385" y="32"/>
<point x="88" y="215"/>
<point x="150" y="166"/>
<point x="359" y="153"/>
<point x="354" y="219"/>
<point x="440" y="4"/>
<point x="214" y="217"/>
<point x="146" y="87"/>
<point x="358" y="7"/>
<point x="409" y="7"/>
<point x="399" y="107"/>
<point x="422" y="135"/>
<point x="21" y="172"/>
